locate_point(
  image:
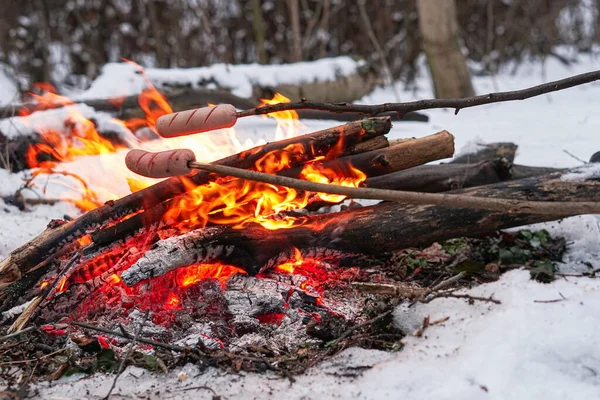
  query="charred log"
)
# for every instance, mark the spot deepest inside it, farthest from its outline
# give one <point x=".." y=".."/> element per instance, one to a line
<point x="372" y="230"/>
<point x="445" y="177"/>
<point x="399" y="156"/>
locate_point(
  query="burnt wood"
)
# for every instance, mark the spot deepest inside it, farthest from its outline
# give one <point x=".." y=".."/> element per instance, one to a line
<point x="385" y="227"/>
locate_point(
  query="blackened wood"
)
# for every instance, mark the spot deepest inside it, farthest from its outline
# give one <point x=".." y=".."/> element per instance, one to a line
<point x="388" y="227"/>
<point x="443" y="177"/>
<point x="488" y="152"/>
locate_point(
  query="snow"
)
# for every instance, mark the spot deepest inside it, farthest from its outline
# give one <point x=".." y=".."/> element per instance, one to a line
<point x="54" y="119"/>
<point x="123" y="79"/>
<point x="521" y="348"/>
<point x="543" y="126"/>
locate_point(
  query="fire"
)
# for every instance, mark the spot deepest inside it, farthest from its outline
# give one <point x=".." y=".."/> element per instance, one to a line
<point x="195" y="273"/>
<point x="287" y="120"/>
<point x="226" y="201"/>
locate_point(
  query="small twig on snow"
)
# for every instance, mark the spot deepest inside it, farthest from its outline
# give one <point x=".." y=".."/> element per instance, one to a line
<point x="128" y="354"/>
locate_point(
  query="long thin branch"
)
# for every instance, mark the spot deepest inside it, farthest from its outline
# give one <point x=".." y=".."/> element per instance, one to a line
<point x="403" y="108"/>
<point x="508" y="206"/>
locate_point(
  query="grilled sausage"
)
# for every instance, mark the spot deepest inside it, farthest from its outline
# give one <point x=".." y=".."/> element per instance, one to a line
<point x="160" y="165"/>
<point x="195" y="121"/>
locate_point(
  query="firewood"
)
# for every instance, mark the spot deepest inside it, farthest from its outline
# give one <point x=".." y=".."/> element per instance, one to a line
<point x="444" y="177"/>
<point x="404" y="154"/>
<point x="489" y="151"/>
<point x="399" y="156"/>
<point x="373" y="230"/>
<point x="26" y="257"/>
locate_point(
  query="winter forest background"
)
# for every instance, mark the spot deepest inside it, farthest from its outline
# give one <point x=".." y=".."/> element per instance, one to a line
<point x="66" y="42"/>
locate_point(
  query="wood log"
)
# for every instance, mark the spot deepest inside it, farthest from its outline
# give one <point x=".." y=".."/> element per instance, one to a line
<point x="487" y="152"/>
<point x="444" y="177"/>
<point x="399" y="156"/>
<point x="404" y="154"/>
<point x="315" y="144"/>
<point x="385" y="227"/>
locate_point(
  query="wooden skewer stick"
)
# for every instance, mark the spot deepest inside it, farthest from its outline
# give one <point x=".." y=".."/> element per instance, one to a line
<point x="225" y="115"/>
<point x="415" y="198"/>
<point x="403" y="108"/>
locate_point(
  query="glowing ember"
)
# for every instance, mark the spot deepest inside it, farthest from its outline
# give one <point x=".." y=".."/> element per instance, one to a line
<point x="195" y="273"/>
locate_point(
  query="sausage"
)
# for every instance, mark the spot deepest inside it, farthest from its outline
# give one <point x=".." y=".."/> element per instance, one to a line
<point x="196" y="121"/>
<point x="160" y="165"/>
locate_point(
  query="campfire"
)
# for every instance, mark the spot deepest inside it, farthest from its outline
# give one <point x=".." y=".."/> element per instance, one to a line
<point x="234" y="257"/>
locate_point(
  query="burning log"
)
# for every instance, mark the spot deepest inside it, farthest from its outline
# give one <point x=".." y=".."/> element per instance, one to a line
<point x="399" y="156"/>
<point x="328" y="143"/>
<point x="371" y="230"/>
<point x="402" y="155"/>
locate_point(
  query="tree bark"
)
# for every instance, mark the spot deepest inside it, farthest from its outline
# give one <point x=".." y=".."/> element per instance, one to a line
<point x="294" y="9"/>
<point x="439" y="31"/>
<point x="258" y="26"/>
<point x="385" y="227"/>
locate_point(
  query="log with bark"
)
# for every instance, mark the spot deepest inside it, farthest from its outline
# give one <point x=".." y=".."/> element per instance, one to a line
<point x="317" y="144"/>
<point x="385" y="227"/>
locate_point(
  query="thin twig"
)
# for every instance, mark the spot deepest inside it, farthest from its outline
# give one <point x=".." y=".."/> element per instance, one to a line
<point x="48" y="292"/>
<point x="371" y="321"/>
<point x="33" y="359"/>
<point x="507" y="206"/>
<point x="426" y="297"/>
<point x="403" y="108"/>
<point x="15" y="334"/>
<point x="567" y="152"/>
<point x="453" y="295"/>
<point x="128" y="354"/>
<point x="126" y="335"/>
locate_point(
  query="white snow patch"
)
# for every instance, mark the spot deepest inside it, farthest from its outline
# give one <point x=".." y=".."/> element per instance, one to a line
<point x="589" y="171"/>
<point x="124" y="79"/>
<point x="56" y="120"/>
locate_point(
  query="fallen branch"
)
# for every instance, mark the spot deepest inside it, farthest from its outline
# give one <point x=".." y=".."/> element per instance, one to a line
<point x="129" y="107"/>
<point x="403" y="108"/>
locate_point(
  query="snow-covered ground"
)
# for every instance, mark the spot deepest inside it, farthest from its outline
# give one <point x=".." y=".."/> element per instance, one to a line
<point x="123" y="79"/>
<point x="520" y="349"/>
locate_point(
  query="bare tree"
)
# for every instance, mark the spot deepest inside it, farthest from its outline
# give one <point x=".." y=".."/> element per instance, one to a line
<point x="258" y="26"/>
<point x="439" y="30"/>
<point x="294" y="7"/>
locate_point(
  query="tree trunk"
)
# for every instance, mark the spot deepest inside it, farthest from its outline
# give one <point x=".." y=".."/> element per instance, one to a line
<point x="439" y="31"/>
<point x="294" y="8"/>
<point x="258" y="26"/>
